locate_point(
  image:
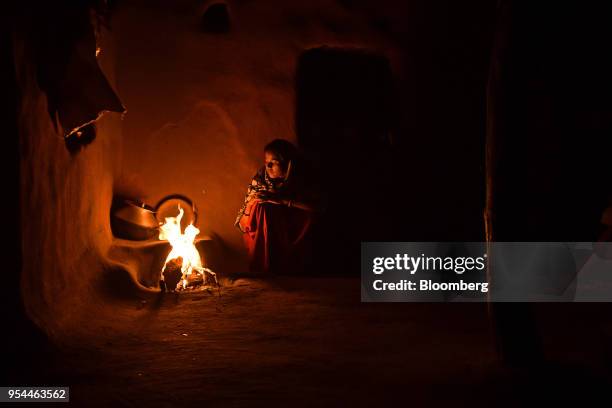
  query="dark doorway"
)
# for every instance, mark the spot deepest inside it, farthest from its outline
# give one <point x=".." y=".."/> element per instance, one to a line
<point x="344" y="101"/>
<point x="345" y="117"/>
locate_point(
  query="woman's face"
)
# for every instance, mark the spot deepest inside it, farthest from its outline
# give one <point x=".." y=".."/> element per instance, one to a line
<point x="273" y="166"/>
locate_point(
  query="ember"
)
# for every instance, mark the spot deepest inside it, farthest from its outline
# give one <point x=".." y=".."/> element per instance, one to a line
<point x="183" y="266"/>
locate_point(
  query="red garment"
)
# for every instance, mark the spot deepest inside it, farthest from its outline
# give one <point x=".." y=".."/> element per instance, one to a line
<point x="276" y="237"/>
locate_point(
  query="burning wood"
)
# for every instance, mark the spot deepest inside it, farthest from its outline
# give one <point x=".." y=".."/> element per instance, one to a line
<point x="171" y="274"/>
<point x="183" y="267"/>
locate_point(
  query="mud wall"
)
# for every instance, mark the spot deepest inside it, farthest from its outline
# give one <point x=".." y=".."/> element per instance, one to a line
<point x="65" y="196"/>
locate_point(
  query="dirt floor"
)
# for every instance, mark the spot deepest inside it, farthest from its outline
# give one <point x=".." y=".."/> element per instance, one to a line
<point x="288" y="341"/>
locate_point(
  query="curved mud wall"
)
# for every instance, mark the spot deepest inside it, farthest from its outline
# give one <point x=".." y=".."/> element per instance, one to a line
<point x="65" y="204"/>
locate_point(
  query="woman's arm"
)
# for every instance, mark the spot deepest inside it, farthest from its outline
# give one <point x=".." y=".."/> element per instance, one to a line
<point x="290" y="203"/>
<point x="298" y="204"/>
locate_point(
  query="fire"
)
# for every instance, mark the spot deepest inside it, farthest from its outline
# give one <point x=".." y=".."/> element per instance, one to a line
<point x="183" y="249"/>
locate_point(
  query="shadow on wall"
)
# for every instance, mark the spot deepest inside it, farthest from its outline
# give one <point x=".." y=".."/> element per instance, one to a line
<point x="65" y="54"/>
<point x="346" y="110"/>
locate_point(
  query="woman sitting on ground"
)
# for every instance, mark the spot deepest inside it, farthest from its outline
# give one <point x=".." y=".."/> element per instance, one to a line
<point x="279" y="210"/>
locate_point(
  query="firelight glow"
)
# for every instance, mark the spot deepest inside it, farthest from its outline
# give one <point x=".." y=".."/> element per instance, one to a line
<point x="182" y="245"/>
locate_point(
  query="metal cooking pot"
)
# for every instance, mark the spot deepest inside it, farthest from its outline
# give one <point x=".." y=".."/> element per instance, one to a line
<point x="135" y="221"/>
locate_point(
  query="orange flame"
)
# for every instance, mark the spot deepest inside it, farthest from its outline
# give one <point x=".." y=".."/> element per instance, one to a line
<point x="182" y="245"/>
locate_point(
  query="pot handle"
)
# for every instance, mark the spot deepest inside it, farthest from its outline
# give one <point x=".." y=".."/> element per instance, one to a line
<point x="183" y="198"/>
